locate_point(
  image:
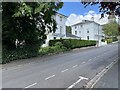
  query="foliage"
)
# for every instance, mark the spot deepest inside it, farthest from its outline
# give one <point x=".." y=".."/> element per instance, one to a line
<point x="73" y="43"/>
<point x="111" y="29"/>
<point x="52" y="49"/>
<point x="109" y="40"/>
<point x="114" y="39"/>
<point x="68" y="29"/>
<point x="17" y="54"/>
<point x="28" y="21"/>
<point x="103" y="40"/>
<point x="21" y="53"/>
<point x="105" y="7"/>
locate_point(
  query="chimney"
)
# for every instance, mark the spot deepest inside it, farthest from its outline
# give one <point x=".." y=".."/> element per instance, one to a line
<point x="92" y="18"/>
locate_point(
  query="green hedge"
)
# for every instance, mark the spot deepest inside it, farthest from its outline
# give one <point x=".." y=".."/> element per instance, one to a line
<point x="109" y="40"/>
<point x="56" y="46"/>
<point x="114" y="39"/>
<point x="17" y="54"/>
<point x="73" y="43"/>
<point x="52" y="49"/>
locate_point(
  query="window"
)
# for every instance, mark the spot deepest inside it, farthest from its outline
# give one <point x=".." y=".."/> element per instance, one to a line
<point x="75" y="32"/>
<point x="60" y="29"/>
<point x="87" y="31"/>
<point x="87" y="37"/>
<point x="54" y="38"/>
<point x="79" y="31"/>
<point x="75" y="27"/>
<point x="81" y="25"/>
<point x="60" y="18"/>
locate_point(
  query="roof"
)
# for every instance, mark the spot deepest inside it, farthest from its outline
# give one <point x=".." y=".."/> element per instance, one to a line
<point x="61" y="14"/>
<point x="71" y="35"/>
<point x="84" y="22"/>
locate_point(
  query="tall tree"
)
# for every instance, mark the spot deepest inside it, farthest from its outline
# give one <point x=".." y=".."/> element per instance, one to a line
<point x="105" y="7"/>
<point x="111" y="29"/>
<point x="28" y="21"/>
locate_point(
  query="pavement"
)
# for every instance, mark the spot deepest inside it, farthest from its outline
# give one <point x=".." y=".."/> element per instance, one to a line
<point x="67" y="70"/>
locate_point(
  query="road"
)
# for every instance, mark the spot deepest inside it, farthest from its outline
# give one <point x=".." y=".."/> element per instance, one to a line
<point x="110" y="79"/>
<point x="67" y="70"/>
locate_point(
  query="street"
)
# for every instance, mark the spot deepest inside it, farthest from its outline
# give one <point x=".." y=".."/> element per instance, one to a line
<point x="110" y="79"/>
<point x="67" y="70"/>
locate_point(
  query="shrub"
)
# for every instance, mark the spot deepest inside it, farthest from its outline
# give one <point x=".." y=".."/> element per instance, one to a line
<point x="109" y="40"/>
<point x="73" y="43"/>
<point x="18" y="53"/>
<point x="44" y="50"/>
<point x="58" y="47"/>
<point x="59" y="44"/>
<point x="103" y="40"/>
<point x="114" y="39"/>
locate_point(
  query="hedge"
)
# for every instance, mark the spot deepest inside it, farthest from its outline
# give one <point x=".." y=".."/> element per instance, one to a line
<point x="56" y="46"/>
<point x="73" y="43"/>
<point x="109" y="40"/>
<point x="17" y="54"/>
<point x="28" y="52"/>
<point x="114" y="39"/>
<point x="52" y="49"/>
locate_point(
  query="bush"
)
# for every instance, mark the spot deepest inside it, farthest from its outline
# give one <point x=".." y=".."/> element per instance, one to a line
<point x="103" y="40"/>
<point x="19" y="53"/>
<point x="109" y="40"/>
<point x="73" y="43"/>
<point x="58" y="47"/>
<point x="114" y="39"/>
<point x="44" y="50"/>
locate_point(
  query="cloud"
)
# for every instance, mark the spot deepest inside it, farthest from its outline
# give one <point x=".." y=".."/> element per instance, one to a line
<point x="73" y="18"/>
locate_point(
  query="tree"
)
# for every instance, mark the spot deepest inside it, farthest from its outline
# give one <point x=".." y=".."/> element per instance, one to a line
<point x="105" y="7"/>
<point x="28" y="21"/>
<point x="68" y="29"/>
<point x="111" y="29"/>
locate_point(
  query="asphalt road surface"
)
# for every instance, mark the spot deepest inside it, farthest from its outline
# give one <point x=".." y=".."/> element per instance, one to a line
<point x="68" y="70"/>
<point x="110" y="79"/>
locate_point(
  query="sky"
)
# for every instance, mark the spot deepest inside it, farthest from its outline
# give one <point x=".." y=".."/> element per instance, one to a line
<point x="77" y="8"/>
<point x="76" y="13"/>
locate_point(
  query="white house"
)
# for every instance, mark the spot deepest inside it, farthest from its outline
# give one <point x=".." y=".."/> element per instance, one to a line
<point x="60" y="31"/>
<point x="88" y="30"/>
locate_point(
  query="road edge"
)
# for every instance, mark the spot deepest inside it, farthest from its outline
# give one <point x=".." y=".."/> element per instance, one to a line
<point x="94" y="80"/>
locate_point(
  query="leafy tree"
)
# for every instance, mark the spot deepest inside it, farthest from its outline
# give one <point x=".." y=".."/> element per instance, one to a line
<point x="28" y="21"/>
<point x="68" y="29"/>
<point x="105" y="7"/>
<point x="111" y="29"/>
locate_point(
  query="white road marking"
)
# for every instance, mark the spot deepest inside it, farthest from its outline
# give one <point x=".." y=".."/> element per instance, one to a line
<point x="64" y="70"/>
<point x="49" y="77"/>
<point x="31" y="85"/>
<point x="74" y="66"/>
<point x="82" y="62"/>
<point x="93" y="81"/>
<point x="80" y="79"/>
